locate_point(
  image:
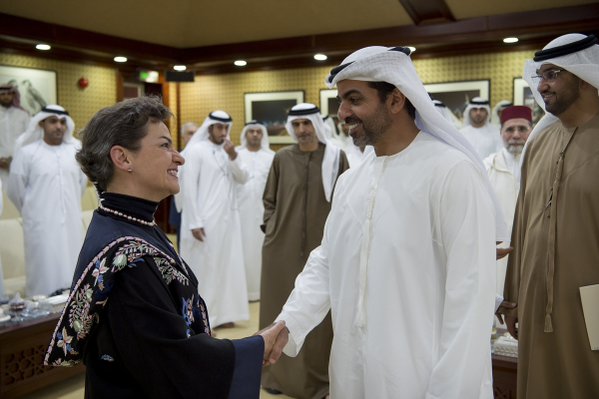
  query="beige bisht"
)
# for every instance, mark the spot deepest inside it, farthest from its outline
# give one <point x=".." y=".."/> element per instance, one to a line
<point x="556" y="248"/>
<point x="295" y="213"/>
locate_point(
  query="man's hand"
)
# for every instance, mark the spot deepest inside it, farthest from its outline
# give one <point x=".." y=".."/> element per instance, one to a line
<point x="502" y="252"/>
<point x="510" y="322"/>
<point x="5" y="163"/>
<point x="199" y="234"/>
<point x="275" y="338"/>
<point x="230" y="150"/>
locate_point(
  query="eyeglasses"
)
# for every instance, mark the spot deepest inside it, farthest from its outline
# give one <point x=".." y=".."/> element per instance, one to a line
<point x="547" y="76"/>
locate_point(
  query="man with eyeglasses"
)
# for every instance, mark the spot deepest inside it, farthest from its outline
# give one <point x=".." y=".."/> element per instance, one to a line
<point x="556" y="226"/>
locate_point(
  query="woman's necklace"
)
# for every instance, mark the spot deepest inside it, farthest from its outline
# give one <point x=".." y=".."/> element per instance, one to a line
<point x="128" y="217"/>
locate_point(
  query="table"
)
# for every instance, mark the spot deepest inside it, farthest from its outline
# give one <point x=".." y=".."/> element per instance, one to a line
<point x="22" y="349"/>
<point x="504" y="377"/>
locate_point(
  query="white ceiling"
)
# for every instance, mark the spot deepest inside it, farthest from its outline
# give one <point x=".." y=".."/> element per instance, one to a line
<point x="195" y="23"/>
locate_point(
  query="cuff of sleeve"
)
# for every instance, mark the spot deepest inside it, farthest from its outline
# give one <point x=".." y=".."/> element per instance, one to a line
<point x="295" y="340"/>
<point x="249" y="354"/>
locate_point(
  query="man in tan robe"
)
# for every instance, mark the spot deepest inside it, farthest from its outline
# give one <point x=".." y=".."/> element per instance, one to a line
<point x="556" y="226"/>
<point x="296" y="204"/>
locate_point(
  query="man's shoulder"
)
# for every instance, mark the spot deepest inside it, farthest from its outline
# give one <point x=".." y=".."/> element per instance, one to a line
<point x="490" y="160"/>
<point x="18" y="111"/>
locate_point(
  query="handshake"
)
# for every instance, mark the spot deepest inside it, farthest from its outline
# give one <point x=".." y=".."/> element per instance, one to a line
<point x="275" y="338"/>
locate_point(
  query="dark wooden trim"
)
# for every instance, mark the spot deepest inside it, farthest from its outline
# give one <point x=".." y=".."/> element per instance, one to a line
<point x="427" y="11"/>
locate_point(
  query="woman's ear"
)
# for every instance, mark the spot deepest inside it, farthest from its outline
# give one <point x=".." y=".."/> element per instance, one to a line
<point x="118" y="155"/>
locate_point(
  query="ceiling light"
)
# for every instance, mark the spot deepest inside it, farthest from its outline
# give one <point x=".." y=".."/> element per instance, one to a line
<point x="179" y="68"/>
<point x="412" y="49"/>
<point x="320" y="57"/>
<point x="43" y="47"/>
<point x="240" y="63"/>
<point x="510" y="40"/>
<point x="120" y="58"/>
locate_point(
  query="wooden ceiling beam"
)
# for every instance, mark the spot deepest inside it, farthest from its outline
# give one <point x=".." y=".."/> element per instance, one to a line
<point x="427" y="11"/>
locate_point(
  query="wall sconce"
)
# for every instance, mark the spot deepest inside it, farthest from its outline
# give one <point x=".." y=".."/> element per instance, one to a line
<point x="83" y="83"/>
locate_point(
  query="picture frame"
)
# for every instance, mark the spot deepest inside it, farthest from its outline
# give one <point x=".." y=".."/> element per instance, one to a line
<point x="37" y="87"/>
<point x="456" y="95"/>
<point x="329" y="105"/>
<point x="271" y="108"/>
<point x="523" y="96"/>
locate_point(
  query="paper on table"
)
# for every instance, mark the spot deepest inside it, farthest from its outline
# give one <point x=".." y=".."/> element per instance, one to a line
<point x="589" y="296"/>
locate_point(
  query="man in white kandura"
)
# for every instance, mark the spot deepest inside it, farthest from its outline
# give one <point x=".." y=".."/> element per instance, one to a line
<point x="503" y="169"/>
<point x="13" y="121"/>
<point x="407" y="260"/>
<point x="256" y="156"/>
<point x="46" y="185"/>
<point x="478" y="130"/>
<point x="210" y="226"/>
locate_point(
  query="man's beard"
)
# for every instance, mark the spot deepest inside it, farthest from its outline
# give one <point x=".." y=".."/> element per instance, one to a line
<point x="515" y="149"/>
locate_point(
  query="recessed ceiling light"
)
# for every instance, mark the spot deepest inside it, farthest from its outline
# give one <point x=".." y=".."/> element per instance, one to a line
<point x="120" y="58"/>
<point x="412" y="49"/>
<point x="320" y="57"/>
<point x="43" y="47"/>
<point x="240" y="63"/>
<point x="510" y="40"/>
<point x="179" y="68"/>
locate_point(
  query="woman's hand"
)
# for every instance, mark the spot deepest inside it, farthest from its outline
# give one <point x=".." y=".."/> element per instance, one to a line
<point x="275" y="338"/>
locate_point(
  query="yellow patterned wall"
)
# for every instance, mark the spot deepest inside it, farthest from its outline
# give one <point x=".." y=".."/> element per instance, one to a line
<point x="81" y="104"/>
<point x="226" y="92"/>
<point x="500" y="68"/>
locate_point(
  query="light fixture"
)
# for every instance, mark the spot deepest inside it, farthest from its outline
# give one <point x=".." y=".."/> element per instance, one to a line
<point x="179" y="68"/>
<point x="320" y="57"/>
<point x="120" y="58"/>
<point x="510" y="40"/>
<point x="43" y="47"/>
<point x="240" y="63"/>
<point x="411" y="48"/>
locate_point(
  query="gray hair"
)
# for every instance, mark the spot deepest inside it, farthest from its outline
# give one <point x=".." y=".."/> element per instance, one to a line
<point x="124" y="124"/>
<point x="187" y="126"/>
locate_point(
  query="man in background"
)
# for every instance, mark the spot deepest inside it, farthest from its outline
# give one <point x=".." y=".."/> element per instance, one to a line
<point x="210" y="226"/>
<point x="297" y="200"/>
<point x="174" y="214"/>
<point x="503" y="169"/>
<point x="256" y="156"/>
<point x="556" y="226"/>
<point x="13" y="122"/>
<point x="478" y="130"/>
<point x="46" y="185"/>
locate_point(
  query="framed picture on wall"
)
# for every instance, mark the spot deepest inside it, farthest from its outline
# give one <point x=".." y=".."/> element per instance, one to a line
<point x="37" y="87"/>
<point x="523" y="96"/>
<point x="456" y="95"/>
<point x="271" y="109"/>
<point x="329" y="105"/>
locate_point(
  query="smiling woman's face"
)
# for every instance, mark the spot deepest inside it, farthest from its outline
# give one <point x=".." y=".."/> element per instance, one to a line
<point x="156" y="164"/>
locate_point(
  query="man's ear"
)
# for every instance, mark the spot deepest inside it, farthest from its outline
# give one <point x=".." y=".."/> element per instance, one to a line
<point x="397" y="101"/>
<point x="119" y="157"/>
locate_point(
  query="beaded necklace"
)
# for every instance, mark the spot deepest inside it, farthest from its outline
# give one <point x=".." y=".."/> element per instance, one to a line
<point x="128" y="217"/>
